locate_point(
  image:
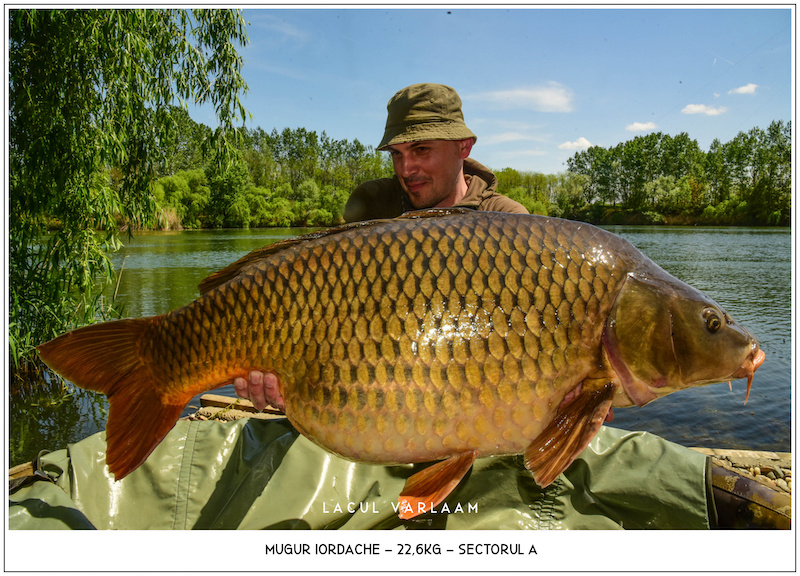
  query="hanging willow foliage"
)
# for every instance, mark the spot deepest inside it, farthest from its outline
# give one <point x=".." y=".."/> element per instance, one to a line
<point x="91" y="104"/>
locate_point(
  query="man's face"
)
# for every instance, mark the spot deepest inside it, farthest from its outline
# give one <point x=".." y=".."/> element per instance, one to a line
<point x="430" y="171"/>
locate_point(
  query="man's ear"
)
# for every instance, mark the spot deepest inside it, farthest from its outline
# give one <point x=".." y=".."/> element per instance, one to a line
<point x="466" y="147"/>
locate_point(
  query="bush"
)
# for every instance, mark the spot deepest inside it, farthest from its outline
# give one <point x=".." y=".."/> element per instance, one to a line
<point x="280" y="213"/>
<point x="532" y="204"/>
<point x="319" y="217"/>
<point x="183" y="198"/>
<point x="652" y="217"/>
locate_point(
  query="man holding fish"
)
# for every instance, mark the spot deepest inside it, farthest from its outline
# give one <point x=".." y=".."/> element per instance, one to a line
<point x="435" y="335"/>
<point x="430" y="145"/>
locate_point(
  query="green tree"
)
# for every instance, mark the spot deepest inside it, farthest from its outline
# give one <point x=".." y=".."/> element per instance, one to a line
<point x="739" y="159"/>
<point x="183" y="147"/>
<point x="259" y="208"/>
<point x="639" y="161"/>
<point x="259" y="156"/>
<point x="680" y="156"/>
<point x="531" y="189"/>
<point x="280" y="212"/>
<point x="670" y="196"/>
<point x="91" y="105"/>
<point x="717" y="174"/>
<point x="601" y="166"/>
<point x="297" y="152"/>
<point x="769" y="197"/>
<point x="571" y="196"/>
<point x="228" y="207"/>
<point x="333" y="200"/>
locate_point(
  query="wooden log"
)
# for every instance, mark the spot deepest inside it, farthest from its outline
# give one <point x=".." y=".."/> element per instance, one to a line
<point x="229" y="414"/>
<point x="218" y="401"/>
<point x="21" y="470"/>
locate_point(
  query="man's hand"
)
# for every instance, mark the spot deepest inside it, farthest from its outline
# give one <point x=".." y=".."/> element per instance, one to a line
<point x="262" y="389"/>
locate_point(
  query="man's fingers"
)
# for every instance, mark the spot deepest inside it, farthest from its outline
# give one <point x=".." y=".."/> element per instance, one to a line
<point x="256" y="378"/>
<point x="261" y="388"/>
<point x="273" y="392"/>
<point x="240" y="385"/>
<point x="256" y="386"/>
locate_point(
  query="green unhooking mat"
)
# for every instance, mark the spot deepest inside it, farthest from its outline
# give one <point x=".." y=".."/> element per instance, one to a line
<point x="262" y="474"/>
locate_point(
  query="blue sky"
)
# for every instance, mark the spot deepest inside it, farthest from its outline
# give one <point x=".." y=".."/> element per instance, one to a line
<point x="537" y="84"/>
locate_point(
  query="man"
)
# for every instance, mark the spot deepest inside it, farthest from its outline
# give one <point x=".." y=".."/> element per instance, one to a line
<point x="430" y="144"/>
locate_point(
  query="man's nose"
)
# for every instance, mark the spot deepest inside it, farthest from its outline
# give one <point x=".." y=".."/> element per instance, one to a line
<point x="406" y="166"/>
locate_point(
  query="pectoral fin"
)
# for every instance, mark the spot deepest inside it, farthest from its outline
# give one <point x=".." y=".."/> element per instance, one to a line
<point x="429" y="487"/>
<point x="568" y="434"/>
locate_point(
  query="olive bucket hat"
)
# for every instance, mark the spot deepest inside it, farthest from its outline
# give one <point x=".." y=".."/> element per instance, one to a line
<point x="424" y="112"/>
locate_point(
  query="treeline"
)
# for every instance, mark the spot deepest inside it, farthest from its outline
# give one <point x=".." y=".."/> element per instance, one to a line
<point x="288" y="178"/>
<point x="660" y="178"/>
<point x="297" y="178"/>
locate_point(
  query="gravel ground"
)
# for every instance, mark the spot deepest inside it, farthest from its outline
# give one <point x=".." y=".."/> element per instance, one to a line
<point x="773" y="469"/>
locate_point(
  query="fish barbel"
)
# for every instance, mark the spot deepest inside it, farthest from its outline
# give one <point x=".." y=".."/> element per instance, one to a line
<point x="440" y="335"/>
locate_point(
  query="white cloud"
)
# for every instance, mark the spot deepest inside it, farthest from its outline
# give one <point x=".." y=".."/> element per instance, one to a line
<point x="703" y="109"/>
<point x="549" y="97"/>
<point x="746" y="89"/>
<point x="641" y="126"/>
<point x="579" y="144"/>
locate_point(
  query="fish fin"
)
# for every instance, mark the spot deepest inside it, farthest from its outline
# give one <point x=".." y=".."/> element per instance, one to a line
<point x="429" y="487"/>
<point x="568" y="434"/>
<point x="436" y="213"/>
<point x="105" y="358"/>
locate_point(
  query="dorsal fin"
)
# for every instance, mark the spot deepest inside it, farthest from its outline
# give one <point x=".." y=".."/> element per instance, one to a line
<point x="232" y="270"/>
<point x="434" y="212"/>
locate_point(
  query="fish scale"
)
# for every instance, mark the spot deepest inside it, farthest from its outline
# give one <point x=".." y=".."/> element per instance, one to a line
<point x="436" y="326"/>
<point x="441" y="335"/>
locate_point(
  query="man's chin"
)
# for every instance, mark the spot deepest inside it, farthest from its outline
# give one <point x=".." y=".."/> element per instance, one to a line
<point x="420" y="203"/>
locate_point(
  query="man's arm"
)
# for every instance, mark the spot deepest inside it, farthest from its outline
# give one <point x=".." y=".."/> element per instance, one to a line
<point x="375" y="199"/>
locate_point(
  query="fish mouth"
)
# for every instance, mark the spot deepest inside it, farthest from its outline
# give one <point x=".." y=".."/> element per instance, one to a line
<point x="749" y="367"/>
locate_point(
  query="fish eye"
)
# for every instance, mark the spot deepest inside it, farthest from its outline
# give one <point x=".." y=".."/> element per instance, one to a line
<point x="713" y="321"/>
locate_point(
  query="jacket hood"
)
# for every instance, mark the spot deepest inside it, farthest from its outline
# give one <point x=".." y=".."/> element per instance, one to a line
<point x="481" y="182"/>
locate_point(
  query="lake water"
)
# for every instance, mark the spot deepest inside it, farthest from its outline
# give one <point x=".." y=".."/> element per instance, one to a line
<point x="747" y="270"/>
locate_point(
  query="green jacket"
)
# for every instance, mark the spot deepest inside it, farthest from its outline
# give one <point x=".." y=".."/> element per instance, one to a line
<point x="385" y="197"/>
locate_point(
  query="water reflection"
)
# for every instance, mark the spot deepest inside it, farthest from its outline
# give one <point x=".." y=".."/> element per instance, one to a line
<point x="50" y="419"/>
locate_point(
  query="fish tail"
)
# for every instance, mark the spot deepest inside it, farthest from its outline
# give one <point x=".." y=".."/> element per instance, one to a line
<point x="106" y="358"/>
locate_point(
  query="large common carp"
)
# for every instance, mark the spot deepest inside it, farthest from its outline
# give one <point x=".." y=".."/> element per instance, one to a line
<point x="440" y="335"/>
